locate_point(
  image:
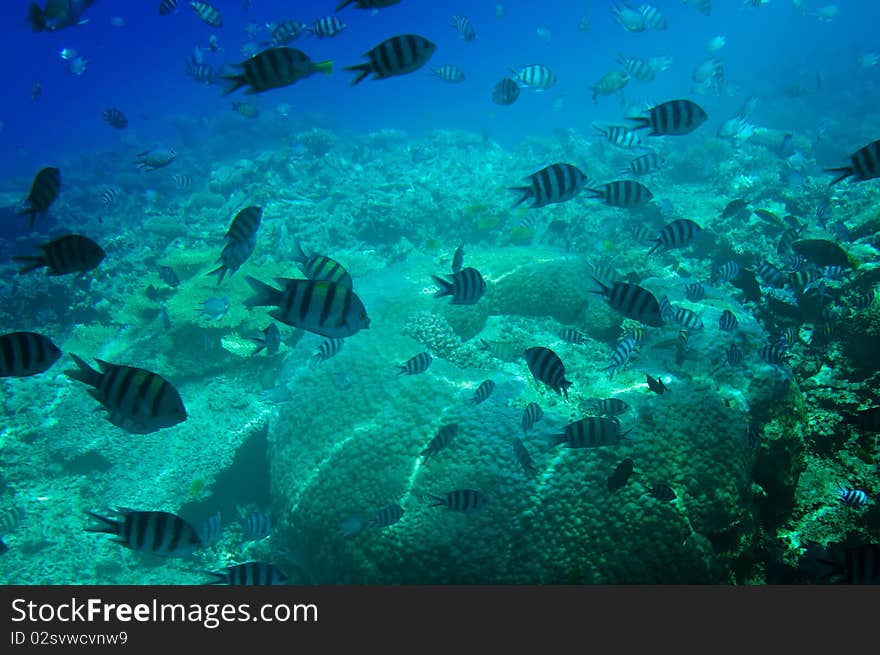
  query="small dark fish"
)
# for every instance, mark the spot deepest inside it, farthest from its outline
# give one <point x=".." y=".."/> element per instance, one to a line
<point x="167" y="7"/>
<point x="531" y="415"/>
<point x="257" y="526"/>
<point x="449" y="73"/>
<point x="570" y="335"/>
<point x="274" y="68"/>
<point x="110" y="196"/>
<point x="851" y="497"/>
<point x="458" y="259"/>
<point x="157" y="533"/>
<point x="23" y="354"/>
<point x="168" y="276"/>
<point x="460" y="500"/>
<point x="386" y="517"/>
<point x="44" y="191"/>
<point x="675" y="117"/>
<point x="465" y="29"/>
<point x="552" y="184"/>
<point x="727" y="321"/>
<point x="72" y="253"/>
<point x="115" y="118"/>
<point x="398" y="55"/>
<point x="617" y="480"/>
<point x="165" y="318"/>
<point x="734" y="207"/>
<point x="662" y="491"/>
<point x="327" y="26"/>
<point x="676" y="234"/>
<point x="656" y="385"/>
<point x="864" y="165"/>
<point x="137" y="400"/>
<point x="207" y="13"/>
<point x="694" y="291"/>
<point x="327" y="349"/>
<point x="626" y="194"/>
<point x="521" y="454"/>
<point x="416" y="364"/>
<point x="440" y="441"/>
<point x="734" y="355"/>
<point x="466" y="287"/>
<point x="546" y="367"/>
<point x="286" y="31"/>
<point x="250" y="574"/>
<point x="241" y="240"/>
<point x="155" y="158"/>
<point x="270" y="340"/>
<point x="505" y="92"/>
<point x="214" y="309"/>
<point x="483" y="392"/>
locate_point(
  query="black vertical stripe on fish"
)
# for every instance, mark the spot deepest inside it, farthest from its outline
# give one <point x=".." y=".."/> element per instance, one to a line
<point x="257" y="526"/>
<point x="466" y="286"/>
<point x="416" y="364"/>
<point x="726" y="272"/>
<point x="632" y="301"/>
<point x="775" y="353"/>
<point x="23" y="354"/>
<point x="864" y="165"/>
<point x="694" y="291"/>
<point x="590" y="432"/>
<point x="386" y="517"/>
<point x="397" y="55"/>
<point x="441" y="440"/>
<point x="728" y="320"/>
<point x="552" y="184"/>
<point x="460" y="500"/>
<point x="483" y="392"/>
<point x="620" y="356"/>
<point x="44" y="191"/>
<point x="675" y="234"/>
<point x="157" y="533"/>
<point x="546" y="366"/>
<point x="327" y="26"/>
<point x="115" y="118"/>
<point x="623" y="193"/>
<point x="521" y="454"/>
<point x="607" y="406"/>
<point x="733" y="355"/>
<point x="72" y="253"/>
<point x="252" y="573"/>
<point x="327" y="349"/>
<point x="207" y="13"/>
<point x="570" y="335"/>
<point x="672" y="118"/>
<point x="647" y="163"/>
<point x="531" y="415"/>
<point x="168" y="276"/>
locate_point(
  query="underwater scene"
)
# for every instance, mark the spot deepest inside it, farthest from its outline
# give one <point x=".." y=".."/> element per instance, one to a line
<point x="386" y="292"/>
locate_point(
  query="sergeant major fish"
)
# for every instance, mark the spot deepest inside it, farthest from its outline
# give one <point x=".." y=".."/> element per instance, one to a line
<point x="274" y="68"/>
<point x="23" y="354"/>
<point x="44" y="191"/>
<point x="398" y="55"/>
<point x="156" y="533"/>
<point x="72" y="253"/>
<point x="466" y="287"/>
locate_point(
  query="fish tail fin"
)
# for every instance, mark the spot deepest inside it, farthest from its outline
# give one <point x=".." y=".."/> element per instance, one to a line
<point x="344" y="3"/>
<point x="643" y="122"/>
<point x="108" y="526"/>
<point x="234" y="82"/>
<point x="446" y="287"/>
<point x="325" y="67"/>
<point x="261" y="345"/>
<point x="653" y="248"/>
<point x="362" y="69"/>
<point x="438" y="500"/>
<point x="84" y="373"/>
<point x="842" y="174"/>
<point x="30" y="263"/>
<point x="526" y="192"/>
<point x="220" y="578"/>
<point x="264" y="294"/>
<point x="36" y="18"/>
<point x="604" y="288"/>
<point x="565" y="385"/>
<point x="299" y="255"/>
<point x="220" y="271"/>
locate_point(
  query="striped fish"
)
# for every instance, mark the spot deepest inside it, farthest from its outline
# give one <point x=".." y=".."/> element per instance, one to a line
<point x="449" y="73"/>
<point x="465" y="29"/>
<point x="367" y="4"/>
<point x="775" y="353"/>
<point x="137" y="400"/>
<point x="837" y="273"/>
<point x="460" y="500"/>
<point x="268" y="340"/>
<point x="676" y="234"/>
<point x="788" y="237"/>
<point x="680" y="315"/>
<point x="207" y="13"/>
<point x="623" y="193"/>
<point x="804" y="277"/>
<point x="44" y="191"/>
<point x="181" y="181"/>
<point x="622" y="352"/>
<point x="10" y="519"/>
<point x="168" y="276"/>
<point x="327" y="349"/>
<point x="864" y="165"/>
<point x="536" y="76"/>
<point x="211" y="529"/>
<point x="110" y="196"/>
<point x="505" y="92"/>
<point x="552" y="184"/>
<point x="590" y="432"/>
<point x="851" y="497"/>
<point x="726" y="272"/>
<point x="250" y="574"/>
<point x="790" y="335"/>
<point x="637" y="68"/>
<point x="570" y="335"/>
<point x="466" y="287"/>
<point x="327" y="26"/>
<point x="620" y="136"/>
<point x="241" y="240"/>
<point x="546" y="367"/>
<point x="157" y="533"/>
<point x="325" y="308"/>
<point x="416" y="364"/>
<point x="483" y="392"/>
<point x="771" y="275"/>
<point x="632" y="301"/>
<point x="167" y="6"/>
<point x="672" y="118"/>
<point x="521" y="454"/>
<point x="682" y="341"/>
<point x="694" y="291"/>
<point x="321" y="267"/>
<point x="257" y="526"/>
<point x="647" y="163"/>
<point x="442" y="439"/>
<point x="860" y="565"/>
<point x="274" y="68"/>
<point x="115" y="118"/>
<point x="637" y="332"/>
<point x="26" y="353"/>
<point x="531" y="415"/>
<point x="727" y="321"/>
<point x="653" y="17"/>
<point x="398" y="55"/>
<point x="286" y="31"/>
<point x="387" y="516"/>
<point x="606" y="406"/>
<point x="72" y="253"/>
